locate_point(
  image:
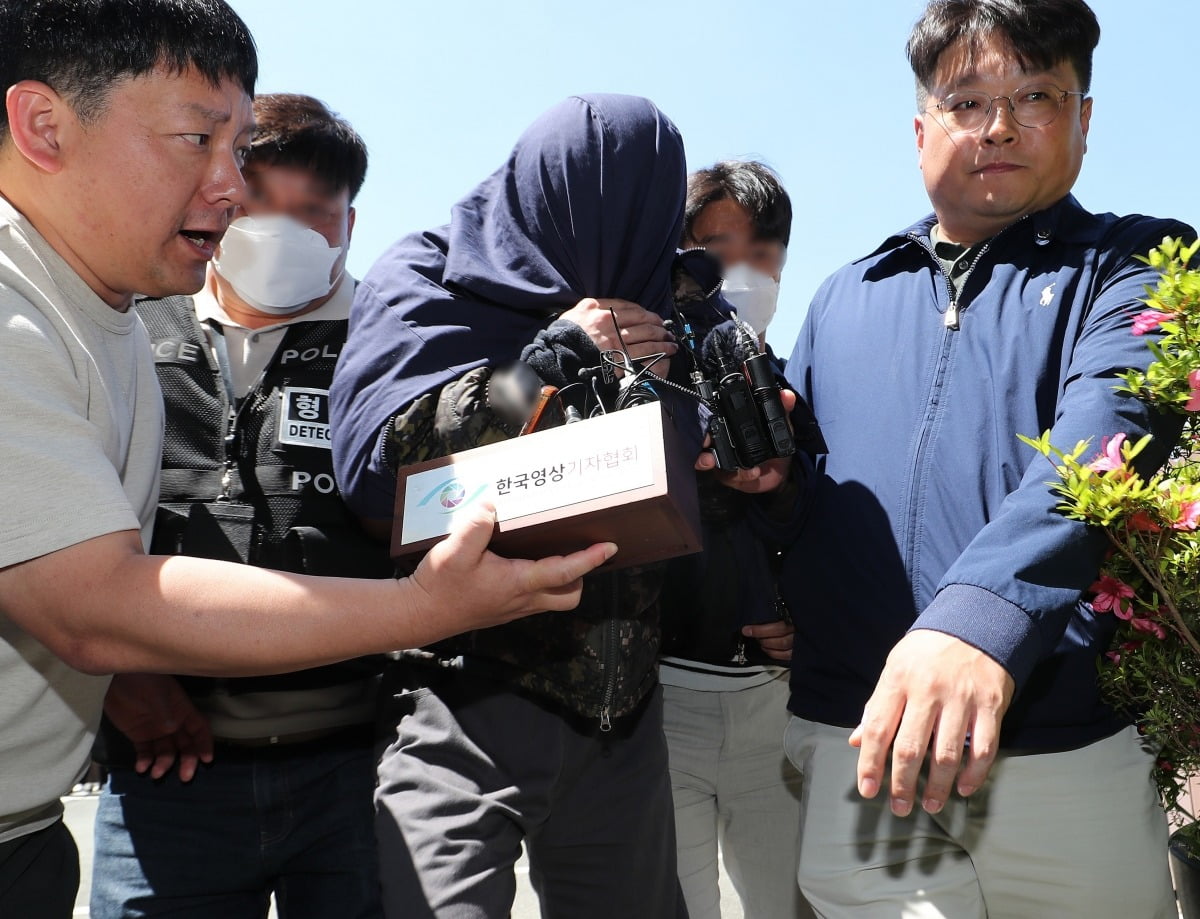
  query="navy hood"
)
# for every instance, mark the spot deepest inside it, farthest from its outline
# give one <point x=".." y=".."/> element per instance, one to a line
<point x="588" y="204"/>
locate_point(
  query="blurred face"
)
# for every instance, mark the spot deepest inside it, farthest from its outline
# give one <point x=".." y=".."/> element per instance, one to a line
<point x="151" y="183"/>
<point x="297" y="193"/>
<point x="725" y="229"/>
<point x="300" y="195"/>
<point x="982" y="181"/>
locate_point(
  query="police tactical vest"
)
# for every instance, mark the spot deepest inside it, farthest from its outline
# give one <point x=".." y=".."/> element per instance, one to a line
<point x="252" y="481"/>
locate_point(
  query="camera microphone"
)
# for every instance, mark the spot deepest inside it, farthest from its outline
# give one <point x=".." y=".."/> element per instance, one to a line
<point x="722" y="350"/>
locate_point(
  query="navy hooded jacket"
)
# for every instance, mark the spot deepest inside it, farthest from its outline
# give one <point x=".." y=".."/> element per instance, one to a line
<point x="589" y="204"/>
<point x="927" y="511"/>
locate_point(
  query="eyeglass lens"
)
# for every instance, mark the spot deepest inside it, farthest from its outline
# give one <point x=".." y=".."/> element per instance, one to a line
<point x="1031" y="107"/>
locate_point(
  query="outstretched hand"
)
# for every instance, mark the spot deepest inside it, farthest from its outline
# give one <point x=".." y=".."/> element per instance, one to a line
<point x="467" y="587"/>
<point x="155" y="713"/>
<point x="940" y="695"/>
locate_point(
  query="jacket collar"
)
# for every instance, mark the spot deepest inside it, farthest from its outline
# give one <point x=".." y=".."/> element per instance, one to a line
<point x="1065" y="220"/>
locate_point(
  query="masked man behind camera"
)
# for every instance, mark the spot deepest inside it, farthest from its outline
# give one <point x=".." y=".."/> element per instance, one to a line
<point x="726" y="636"/>
<point x="245" y="368"/>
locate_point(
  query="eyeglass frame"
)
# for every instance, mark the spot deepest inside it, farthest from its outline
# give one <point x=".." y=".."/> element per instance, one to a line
<point x="1007" y="97"/>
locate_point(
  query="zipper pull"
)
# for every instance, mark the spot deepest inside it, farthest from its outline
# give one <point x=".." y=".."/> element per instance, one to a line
<point x="230" y="446"/>
<point x="785" y="615"/>
<point x="740" y="657"/>
<point x="951" y="318"/>
<point x="605" y="720"/>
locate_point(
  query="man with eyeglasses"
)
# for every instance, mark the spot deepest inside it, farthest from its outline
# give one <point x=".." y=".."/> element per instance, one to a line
<point x="943" y="634"/>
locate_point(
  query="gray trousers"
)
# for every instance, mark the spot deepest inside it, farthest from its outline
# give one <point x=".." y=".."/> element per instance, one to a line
<point x="733" y="784"/>
<point x="473" y="768"/>
<point x="1077" y="834"/>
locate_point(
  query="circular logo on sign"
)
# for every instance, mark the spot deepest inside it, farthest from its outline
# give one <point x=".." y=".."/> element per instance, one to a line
<point x="452" y="496"/>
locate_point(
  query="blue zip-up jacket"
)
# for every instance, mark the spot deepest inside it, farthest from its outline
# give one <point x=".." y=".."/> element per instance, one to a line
<point x="927" y="512"/>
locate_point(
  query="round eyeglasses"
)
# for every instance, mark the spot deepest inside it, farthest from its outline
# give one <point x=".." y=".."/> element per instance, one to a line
<point x="1030" y="106"/>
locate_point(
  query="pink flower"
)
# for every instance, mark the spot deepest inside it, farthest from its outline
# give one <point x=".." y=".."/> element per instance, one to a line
<point x="1193" y="402"/>
<point x="1111" y="460"/>
<point x="1117" y="653"/>
<point x="1109" y="592"/>
<point x="1149" y="320"/>
<point x="1149" y="626"/>
<point x="1189" y="516"/>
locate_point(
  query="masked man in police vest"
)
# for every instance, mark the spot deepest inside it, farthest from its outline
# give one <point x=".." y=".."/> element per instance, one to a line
<point x="245" y="367"/>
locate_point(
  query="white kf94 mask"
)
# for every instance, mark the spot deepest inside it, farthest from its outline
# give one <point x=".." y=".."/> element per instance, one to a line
<point x="276" y="264"/>
<point x="753" y="294"/>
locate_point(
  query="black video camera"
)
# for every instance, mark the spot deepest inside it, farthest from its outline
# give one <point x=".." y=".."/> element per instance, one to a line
<point x="733" y="376"/>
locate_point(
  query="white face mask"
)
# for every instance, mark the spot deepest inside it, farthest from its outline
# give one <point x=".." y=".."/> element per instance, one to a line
<point x="276" y="264"/>
<point x="753" y="294"/>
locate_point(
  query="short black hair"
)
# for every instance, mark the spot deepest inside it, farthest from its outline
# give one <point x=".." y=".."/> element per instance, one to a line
<point x="1041" y="33"/>
<point x="81" y="48"/>
<point x="297" y="130"/>
<point x="753" y="185"/>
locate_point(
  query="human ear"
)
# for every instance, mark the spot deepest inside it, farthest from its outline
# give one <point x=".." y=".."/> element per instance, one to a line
<point x="1085" y="118"/>
<point x="919" y="127"/>
<point x="34" y="123"/>
<point x="350" y="215"/>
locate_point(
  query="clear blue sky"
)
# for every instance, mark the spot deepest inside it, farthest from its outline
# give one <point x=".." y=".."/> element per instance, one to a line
<point x="821" y="91"/>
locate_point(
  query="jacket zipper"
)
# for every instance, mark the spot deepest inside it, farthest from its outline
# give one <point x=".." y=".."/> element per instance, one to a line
<point x="233" y="416"/>
<point x="610" y="656"/>
<point x="227" y="450"/>
<point x="950" y="320"/>
<point x="950" y="323"/>
<point x="224" y="383"/>
<point x="229" y="445"/>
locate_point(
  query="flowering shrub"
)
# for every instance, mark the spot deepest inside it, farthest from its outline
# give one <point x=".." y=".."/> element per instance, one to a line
<point x="1151" y="579"/>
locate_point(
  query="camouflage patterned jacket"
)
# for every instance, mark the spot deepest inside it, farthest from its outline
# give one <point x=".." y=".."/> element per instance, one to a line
<point x="597" y="661"/>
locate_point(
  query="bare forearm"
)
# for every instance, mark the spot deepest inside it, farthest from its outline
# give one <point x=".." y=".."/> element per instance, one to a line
<point x="120" y="610"/>
<point x="105" y="607"/>
<point x="196" y="616"/>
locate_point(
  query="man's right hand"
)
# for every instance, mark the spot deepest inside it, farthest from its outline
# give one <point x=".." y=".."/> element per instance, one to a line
<point x="935" y="692"/>
<point x="472" y="588"/>
<point x="642" y="333"/>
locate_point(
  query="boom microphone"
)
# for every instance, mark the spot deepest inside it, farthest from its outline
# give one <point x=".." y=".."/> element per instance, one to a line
<point x="722" y="351"/>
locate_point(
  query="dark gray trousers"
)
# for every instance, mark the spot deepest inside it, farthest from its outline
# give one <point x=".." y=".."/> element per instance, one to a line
<point x="39" y="874"/>
<point x="473" y="768"/>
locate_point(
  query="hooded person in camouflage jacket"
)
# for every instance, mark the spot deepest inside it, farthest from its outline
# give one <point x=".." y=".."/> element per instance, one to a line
<point x="549" y="729"/>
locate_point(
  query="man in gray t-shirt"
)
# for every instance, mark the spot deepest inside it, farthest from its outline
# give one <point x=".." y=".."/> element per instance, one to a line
<point x="118" y="173"/>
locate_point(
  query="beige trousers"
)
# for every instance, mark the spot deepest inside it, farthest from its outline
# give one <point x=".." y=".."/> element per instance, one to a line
<point x="732" y="782"/>
<point x="1048" y="836"/>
